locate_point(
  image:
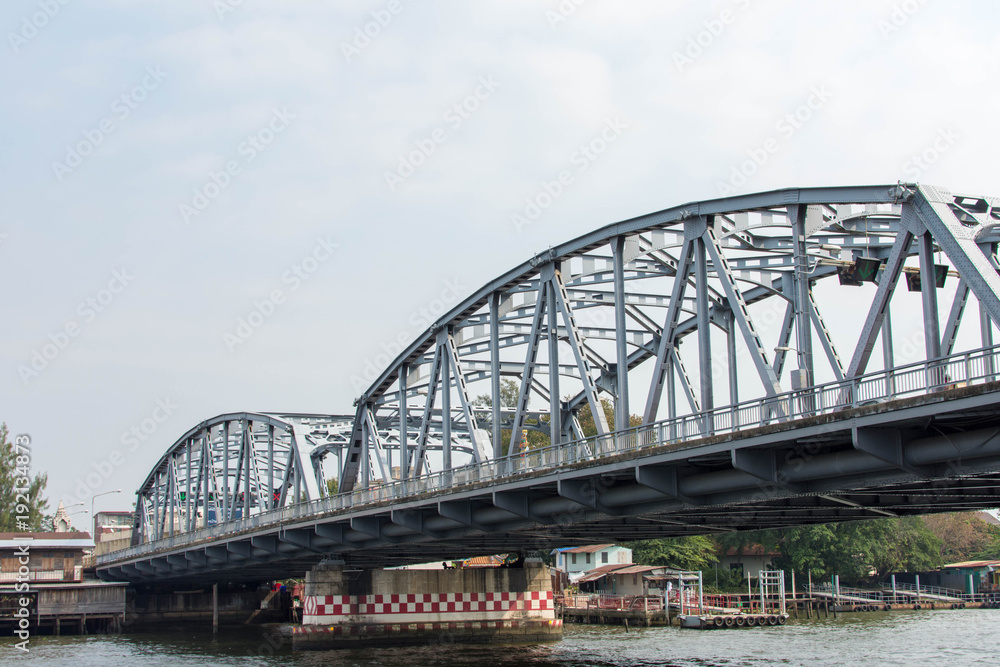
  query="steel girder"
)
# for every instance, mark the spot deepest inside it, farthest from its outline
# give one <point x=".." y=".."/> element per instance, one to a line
<point x="935" y="452"/>
<point x="614" y="306"/>
<point x="233" y="466"/>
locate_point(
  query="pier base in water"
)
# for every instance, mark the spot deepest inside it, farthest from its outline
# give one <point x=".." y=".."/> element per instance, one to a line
<point x="398" y="607"/>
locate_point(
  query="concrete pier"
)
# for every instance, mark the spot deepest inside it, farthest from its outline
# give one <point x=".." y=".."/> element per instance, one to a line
<point x="355" y="608"/>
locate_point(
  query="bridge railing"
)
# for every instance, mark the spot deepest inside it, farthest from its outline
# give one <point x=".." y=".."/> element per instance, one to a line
<point x="974" y="367"/>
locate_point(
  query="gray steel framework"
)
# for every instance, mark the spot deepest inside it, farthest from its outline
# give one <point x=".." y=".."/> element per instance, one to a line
<point x="613" y="308"/>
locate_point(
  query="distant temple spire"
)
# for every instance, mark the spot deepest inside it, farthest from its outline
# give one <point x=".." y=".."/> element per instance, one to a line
<point x="61" y="522"/>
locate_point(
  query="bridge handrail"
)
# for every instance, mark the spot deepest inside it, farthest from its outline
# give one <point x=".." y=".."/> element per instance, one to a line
<point x="981" y="365"/>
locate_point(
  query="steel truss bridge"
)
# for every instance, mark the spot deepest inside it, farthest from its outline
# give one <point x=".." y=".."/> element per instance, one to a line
<point x="638" y="354"/>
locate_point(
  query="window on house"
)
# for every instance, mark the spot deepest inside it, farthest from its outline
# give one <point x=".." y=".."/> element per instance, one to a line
<point x="588" y="559"/>
<point x="604" y="557"/>
<point x="574" y="559"/>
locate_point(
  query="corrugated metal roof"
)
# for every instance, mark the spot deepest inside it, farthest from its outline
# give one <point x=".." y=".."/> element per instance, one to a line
<point x="988" y="518"/>
<point x="637" y="569"/>
<point x="69" y="535"/>
<point x="972" y="563"/>
<point x="586" y="550"/>
<point x="78" y="540"/>
<point x="616" y="568"/>
<point x="484" y="561"/>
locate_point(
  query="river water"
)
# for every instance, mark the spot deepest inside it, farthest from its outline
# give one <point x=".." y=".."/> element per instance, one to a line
<point x="955" y="638"/>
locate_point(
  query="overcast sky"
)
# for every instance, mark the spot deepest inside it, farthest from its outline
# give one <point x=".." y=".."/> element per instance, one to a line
<point x="169" y="168"/>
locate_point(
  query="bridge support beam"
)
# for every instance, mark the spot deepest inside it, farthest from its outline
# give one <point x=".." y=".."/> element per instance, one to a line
<point x="413" y="606"/>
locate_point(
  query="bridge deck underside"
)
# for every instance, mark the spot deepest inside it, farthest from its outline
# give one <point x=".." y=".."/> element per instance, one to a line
<point x="933" y="453"/>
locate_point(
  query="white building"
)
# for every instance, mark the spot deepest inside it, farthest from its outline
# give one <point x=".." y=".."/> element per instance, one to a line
<point x="750" y="559"/>
<point x="583" y="559"/>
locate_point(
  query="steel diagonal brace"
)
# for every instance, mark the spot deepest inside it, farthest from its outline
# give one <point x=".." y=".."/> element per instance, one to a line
<point x="954" y="319"/>
<point x="685" y="379"/>
<point x="352" y="457"/>
<point x="376" y="441"/>
<point x="432" y="383"/>
<point x="666" y="345"/>
<point x="478" y="447"/>
<point x="739" y="307"/>
<point x="824" y="338"/>
<point x="959" y="244"/>
<point x="784" y="339"/>
<point x="583" y="365"/>
<point x="886" y="286"/>
<point x="299" y="460"/>
<point x="529" y="370"/>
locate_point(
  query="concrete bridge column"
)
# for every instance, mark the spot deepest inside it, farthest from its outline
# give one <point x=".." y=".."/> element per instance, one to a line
<point x="470" y="605"/>
<point x="327" y="578"/>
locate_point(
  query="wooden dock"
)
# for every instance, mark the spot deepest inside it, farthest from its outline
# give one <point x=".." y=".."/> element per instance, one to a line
<point x="78" y="608"/>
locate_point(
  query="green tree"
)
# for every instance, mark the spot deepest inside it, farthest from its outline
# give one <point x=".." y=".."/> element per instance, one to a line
<point x="508" y="400"/>
<point x="20" y="494"/>
<point x="696" y="552"/>
<point x="332" y="487"/>
<point x="858" y="551"/>
<point x="587" y="418"/>
<point x="964" y="535"/>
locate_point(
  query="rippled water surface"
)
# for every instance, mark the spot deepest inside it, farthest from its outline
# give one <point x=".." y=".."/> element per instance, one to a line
<point x="914" y="639"/>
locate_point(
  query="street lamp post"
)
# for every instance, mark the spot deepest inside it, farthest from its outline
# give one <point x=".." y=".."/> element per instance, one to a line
<point x="94" y="516"/>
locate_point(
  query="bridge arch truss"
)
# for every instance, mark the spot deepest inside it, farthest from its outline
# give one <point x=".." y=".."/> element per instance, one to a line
<point x="667" y="314"/>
